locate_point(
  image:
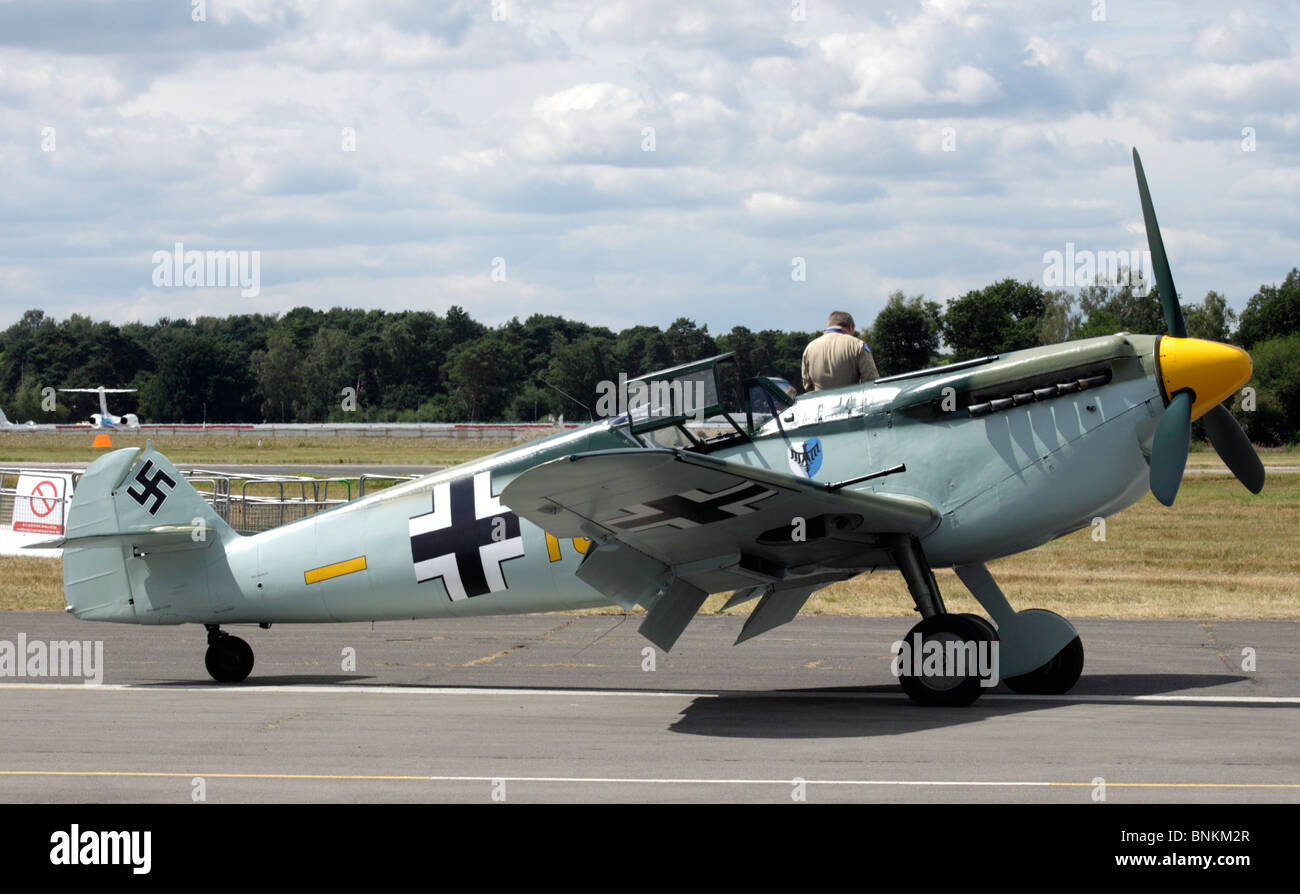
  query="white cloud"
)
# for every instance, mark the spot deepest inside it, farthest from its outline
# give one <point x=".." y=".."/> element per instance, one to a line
<point x="525" y="138"/>
<point x="1240" y="37"/>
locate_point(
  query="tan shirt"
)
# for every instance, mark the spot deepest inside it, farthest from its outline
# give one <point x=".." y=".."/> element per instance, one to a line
<point x="836" y="359"/>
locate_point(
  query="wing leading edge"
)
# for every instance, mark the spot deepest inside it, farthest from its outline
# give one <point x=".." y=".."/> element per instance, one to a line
<point x="670" y="527"/>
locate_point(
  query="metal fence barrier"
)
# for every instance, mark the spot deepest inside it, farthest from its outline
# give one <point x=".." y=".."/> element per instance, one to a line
<point x="248" y="503"/>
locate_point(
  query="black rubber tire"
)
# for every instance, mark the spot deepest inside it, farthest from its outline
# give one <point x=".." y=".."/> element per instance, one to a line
<point x="1056" y="677"/>
<point x="948" y="692"/>
<point x="984" y="624"/>
<point x="229" y="660"/>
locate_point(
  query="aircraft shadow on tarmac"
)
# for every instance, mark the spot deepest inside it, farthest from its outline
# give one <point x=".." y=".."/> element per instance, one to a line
<point x="255" y="682"/>
<point x="840" y="711"/>
<point x="1088" y="685"/>
<point x="1147" y="684"/>
<point x="825" y="712"/>
<point x="834" y="712"/>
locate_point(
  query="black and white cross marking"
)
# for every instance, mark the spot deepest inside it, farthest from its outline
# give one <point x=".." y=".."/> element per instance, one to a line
<point x="466" y="538"/>
<point x="691" y="508"/>
<point x="151" y="487"/>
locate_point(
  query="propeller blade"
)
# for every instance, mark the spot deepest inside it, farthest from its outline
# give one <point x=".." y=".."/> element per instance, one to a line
<point x="1164" y="279"/>
<point x="1169" y="447"/>
<point x="1234" y="448"/>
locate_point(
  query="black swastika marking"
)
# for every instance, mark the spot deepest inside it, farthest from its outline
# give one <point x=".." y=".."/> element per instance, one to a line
<point x="151" y="487"/>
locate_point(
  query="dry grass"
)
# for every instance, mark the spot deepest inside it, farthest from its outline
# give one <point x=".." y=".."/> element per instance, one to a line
<point x="32" y="449"/>
<point x="31" y="582"/>
<point x="1220" y="552"/>
<point x="1203" y="457"/>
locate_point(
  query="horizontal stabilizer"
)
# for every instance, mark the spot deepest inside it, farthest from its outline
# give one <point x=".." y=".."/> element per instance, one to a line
<point x="98" y="390"/>
<point x="192" y="536"/>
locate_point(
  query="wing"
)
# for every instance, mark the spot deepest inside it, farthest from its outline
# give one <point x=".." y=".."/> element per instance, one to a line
<point x="670" y="527"/>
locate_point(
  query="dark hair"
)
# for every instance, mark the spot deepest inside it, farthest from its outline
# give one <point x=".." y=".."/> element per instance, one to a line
<point x="840" y="318"/>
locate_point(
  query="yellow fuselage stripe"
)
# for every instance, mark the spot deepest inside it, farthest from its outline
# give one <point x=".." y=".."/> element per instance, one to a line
<point x="338" y="569"/>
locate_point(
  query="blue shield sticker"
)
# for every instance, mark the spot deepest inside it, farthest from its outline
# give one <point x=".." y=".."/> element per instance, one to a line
<point x="806" y="457"/>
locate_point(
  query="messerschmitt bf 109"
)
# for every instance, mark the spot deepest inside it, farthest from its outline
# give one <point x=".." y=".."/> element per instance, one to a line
<point x="951" y="466"/>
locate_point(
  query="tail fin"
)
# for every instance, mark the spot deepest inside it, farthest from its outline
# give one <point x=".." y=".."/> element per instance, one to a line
<point x="133" y="530"/>
<point x="4" y="420"/>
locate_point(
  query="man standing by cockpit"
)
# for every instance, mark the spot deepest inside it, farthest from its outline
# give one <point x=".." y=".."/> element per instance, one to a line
<point x="837" y="358"/>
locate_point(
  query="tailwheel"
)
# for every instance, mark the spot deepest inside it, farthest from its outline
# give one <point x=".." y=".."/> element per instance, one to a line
<point x="940" y="662"/>
<point x="229" y="659"/>
<point x="1056" y="677"/>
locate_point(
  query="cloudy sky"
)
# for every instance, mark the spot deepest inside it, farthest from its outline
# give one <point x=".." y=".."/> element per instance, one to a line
<point x="632" y="162"/>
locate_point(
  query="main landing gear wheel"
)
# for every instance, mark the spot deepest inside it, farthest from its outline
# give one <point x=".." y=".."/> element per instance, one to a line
<point x="947" y="688"/>
<point x="229" y="659"/>
<point x="1056" y="677"/>
<point x="990" y="632"/>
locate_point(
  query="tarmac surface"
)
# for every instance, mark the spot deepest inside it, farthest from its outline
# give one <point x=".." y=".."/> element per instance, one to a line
<point x="566" y="708"/>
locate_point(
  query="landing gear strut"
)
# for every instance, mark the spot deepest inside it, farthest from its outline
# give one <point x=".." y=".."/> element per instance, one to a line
<point x="1041" y="653"/>
<point x="229" y="659"/>
<point x="946" y="660"/>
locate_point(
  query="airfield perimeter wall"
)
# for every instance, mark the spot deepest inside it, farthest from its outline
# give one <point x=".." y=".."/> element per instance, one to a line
<point x="459" y="431"/>
<point x="456" y="431"/>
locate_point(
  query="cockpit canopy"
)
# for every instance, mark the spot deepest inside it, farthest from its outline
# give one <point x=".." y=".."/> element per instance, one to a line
<point x="661" y="406"/>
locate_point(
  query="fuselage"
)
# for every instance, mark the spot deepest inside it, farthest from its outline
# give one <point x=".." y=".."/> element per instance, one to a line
<point x="443" y="545"/>
<point x="99" y="420"/>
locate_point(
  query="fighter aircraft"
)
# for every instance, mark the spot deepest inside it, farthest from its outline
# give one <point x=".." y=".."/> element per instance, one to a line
<point x="105" y="419"/>
<point x="951" y="466"/>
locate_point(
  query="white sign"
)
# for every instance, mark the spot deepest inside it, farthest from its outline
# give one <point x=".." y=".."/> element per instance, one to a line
<point x="41" y="503"/>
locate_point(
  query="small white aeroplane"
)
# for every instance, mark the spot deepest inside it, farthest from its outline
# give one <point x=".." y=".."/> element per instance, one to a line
<point x="6" y="425"/>
<point x="105" y="419"/>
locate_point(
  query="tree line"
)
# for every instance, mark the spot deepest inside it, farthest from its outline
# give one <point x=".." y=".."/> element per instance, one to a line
<point x="411" y="366"/>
